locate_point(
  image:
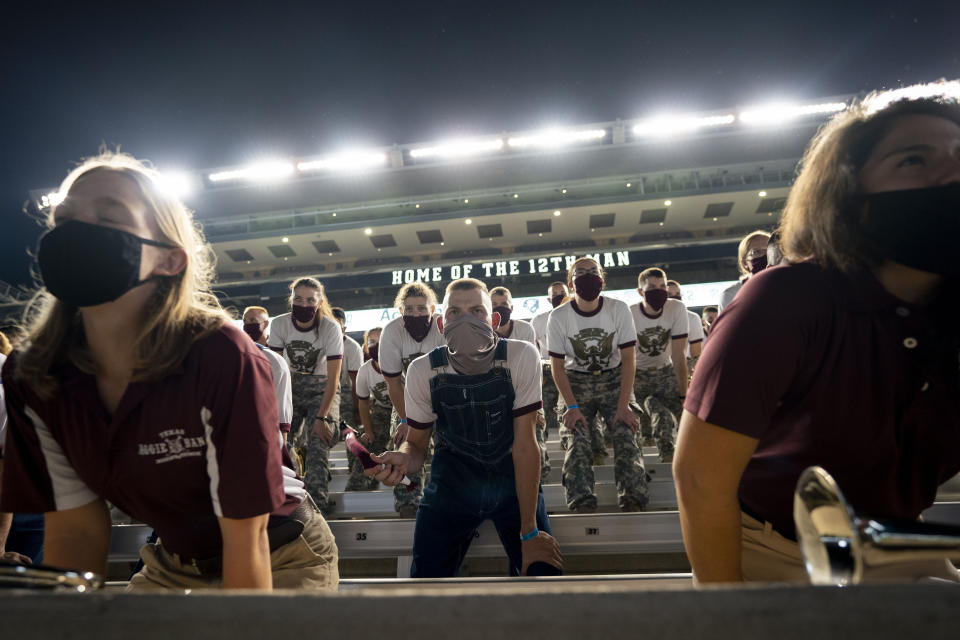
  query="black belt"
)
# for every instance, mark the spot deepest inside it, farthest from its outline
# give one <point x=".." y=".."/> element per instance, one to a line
<point x="277" y="536"/>
<point x="747" y="510"/>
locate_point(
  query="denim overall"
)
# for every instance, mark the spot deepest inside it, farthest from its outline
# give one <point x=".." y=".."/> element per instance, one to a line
<point x="472" y="477"/>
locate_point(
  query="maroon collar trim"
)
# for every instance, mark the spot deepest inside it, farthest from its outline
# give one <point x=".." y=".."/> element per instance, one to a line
<point x="659" y="315"/>
<point x="316" y="323"/>
<point x="586" y="314"/>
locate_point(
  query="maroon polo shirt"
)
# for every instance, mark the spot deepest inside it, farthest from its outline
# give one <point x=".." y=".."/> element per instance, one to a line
<point x="832" y="370"/>
<point x="202" y="442"/>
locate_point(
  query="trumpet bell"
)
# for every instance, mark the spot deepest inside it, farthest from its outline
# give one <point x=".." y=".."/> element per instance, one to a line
<point x="827" y="530"/>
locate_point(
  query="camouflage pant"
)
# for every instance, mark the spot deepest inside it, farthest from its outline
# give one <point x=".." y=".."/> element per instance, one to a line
<point x="346" y="404"/>
<point x="550" y="398"/>
<point x="542" y="444"/>
<point x="307" y="394"/>
<point x="658" y="393"/>
<point x="403" y="496"/>
<point x="600" y="437"/>
<point x="380" y="416"/>
<point x="597" y="396"/>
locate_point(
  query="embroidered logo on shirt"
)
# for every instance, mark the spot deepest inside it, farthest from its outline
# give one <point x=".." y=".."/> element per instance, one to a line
<point x="652" y="341"/>
<point x="174" y="446"/>
<point x="592" y="348"/>
<point x="303" y="356"/>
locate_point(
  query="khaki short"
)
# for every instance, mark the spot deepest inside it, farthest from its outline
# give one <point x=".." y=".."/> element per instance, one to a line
<point x="309" y="562"/>
<point x="767" y="556"/>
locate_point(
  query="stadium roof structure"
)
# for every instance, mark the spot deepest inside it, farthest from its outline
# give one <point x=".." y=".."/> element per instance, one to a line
<point x="667" y="182"/>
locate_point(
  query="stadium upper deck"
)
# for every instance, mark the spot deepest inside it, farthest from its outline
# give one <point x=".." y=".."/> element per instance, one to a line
<point x="676" y="190"/>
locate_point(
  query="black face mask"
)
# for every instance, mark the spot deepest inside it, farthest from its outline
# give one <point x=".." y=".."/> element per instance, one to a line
<point x="756" y="265"/>
<point x="588" y="286"/>
<point x="417" y="326"/>
<point x="85" y="265"/>
<point x="253" y="330"/>
<point x="656" y="298"/>
<point x="504" y="314"/>
<point x="556" y="301"/>
<point x="916" y="227"/>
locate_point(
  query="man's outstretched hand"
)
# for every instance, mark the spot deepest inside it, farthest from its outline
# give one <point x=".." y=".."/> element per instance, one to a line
<point x="543" y="548"/>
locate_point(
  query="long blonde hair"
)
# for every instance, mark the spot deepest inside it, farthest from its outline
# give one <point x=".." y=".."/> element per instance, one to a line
<point x="182" y="309"/>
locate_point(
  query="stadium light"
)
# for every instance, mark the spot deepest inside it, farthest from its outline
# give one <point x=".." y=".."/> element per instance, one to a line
<point x="458" y="148"/>
<point x="177" y="183"/>
<point x="781" y="112"/>
<point x="52" y="199"/>
<point x="949" y="89"/>
<point x="659" y="126"/>
<point x="268" y="171"/>
<point x="345" y="161"/>
<point x="556" y="138"/>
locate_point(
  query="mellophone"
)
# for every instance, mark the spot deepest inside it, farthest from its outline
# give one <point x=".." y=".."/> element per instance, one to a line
<point x="838" y="544"/>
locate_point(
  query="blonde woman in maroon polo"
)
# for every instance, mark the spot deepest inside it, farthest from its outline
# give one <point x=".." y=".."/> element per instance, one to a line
<point x="134" y="388"/>
<point x="846" y="358"/>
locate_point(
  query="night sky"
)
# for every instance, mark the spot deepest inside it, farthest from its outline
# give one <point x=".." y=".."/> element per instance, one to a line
<point x="201" y="86"/>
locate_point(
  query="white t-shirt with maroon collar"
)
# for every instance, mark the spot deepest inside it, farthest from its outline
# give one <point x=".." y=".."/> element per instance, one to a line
<point x="307" y="351"/>
<point x="352" y="360"/>
<point x="590" y="341"/>
<point x="522" y="330"/>
<point x="525" y="374"/>
<point x="398" y="348"/>
<point x="655" y="333"/>
<point x="539" y="324"/>
<point x="695" y="333"/>
<point x="372" y="386"/>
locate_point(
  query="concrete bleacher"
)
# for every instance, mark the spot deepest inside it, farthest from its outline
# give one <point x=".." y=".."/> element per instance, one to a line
<point x="371" y="535"/>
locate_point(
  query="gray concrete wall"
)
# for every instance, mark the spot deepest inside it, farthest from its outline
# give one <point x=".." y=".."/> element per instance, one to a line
<point x="558" y="612"/>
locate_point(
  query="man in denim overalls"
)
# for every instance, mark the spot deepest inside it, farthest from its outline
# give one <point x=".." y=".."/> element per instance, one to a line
<point x="483" y="394"/>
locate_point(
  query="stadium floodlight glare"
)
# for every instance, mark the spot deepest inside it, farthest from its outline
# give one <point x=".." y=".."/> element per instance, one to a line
<point x="660" y="126"/>
<point x="177" y="183"/>
<point x="345" y="161"/>
<point x="458" y="148"/>
<point x="556" y="137"/>
<point x="945" y="89"/>
<point x="268" y="171"/>
<point x="52" y="199"/>
<point x="782" y="112"/>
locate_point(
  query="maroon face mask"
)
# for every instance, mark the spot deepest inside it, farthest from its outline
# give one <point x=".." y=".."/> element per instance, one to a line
<point x="417" y="326"/>
<point x="253" y="330"/>
<point x="656" y="298"/>
<point x="556" y="301"/>
<point x="504" y="314"/>
<point x="588" y="286"/>
<point x="373" y="351"/>
<point x="303" y="314"/>
<point x="757" y="264"/>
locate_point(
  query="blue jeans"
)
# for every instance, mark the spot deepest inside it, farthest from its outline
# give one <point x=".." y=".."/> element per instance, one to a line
<point x="458" y="499"/>
<point x="26" y="536"/>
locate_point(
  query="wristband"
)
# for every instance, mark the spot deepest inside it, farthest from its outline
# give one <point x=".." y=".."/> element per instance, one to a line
<point x="573" y="406"/>
<point x="530" y="536"/>
<point x="403" y="421"/>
